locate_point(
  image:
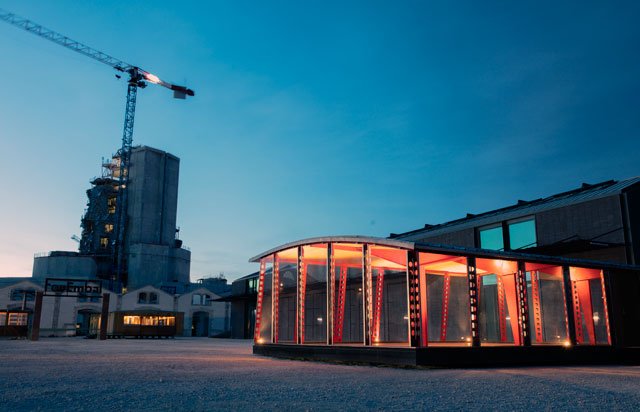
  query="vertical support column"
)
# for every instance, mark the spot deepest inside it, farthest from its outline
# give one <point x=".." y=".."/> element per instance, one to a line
<point x="256" y="334"/>
<point x="523" y="305"/>
<point x="366" y="294"/>
<point x="104" y="316"/>
<point x="377" y="306"/>
<point x="575" y="299"/>
<point x="416" y="326"/>
<point x="502" y="312"/>
<point x="445" y="308"/>
<point x="339" y="312"/>
<point x="275" y="299"/>
<point x="302" y="284"/>
<point x="537" y="309"/>
<point x="331" y="280"/>
<point x="568" y="300"/>
<point x="604" y="279"/>
<point x="584" y="296"/>
<point x="472" y="279"/>
<point x="37" y="313"/>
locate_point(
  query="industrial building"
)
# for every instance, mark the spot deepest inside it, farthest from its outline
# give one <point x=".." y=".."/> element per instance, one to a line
<point x="552" y="280"/>
<point x="153" y="252"/>
<point x="155" y="285"/>
<point x="595" y="221"/>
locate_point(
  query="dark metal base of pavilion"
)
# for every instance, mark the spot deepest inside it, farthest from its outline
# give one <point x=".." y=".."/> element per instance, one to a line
<point x="454" y="357"/>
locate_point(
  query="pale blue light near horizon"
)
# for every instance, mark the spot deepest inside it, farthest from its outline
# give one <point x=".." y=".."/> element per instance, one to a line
<point x="314" y="120"/>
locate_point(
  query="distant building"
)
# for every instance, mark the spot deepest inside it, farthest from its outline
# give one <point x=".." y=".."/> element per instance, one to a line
<point x="199" y="309"/>
<point x="153" y="253"/>
<point x="242" y="297"/>
<point x="598" y="222"/>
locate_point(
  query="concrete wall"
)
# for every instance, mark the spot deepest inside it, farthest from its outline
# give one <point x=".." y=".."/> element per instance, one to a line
<point x="153" y="196"/>
<point x="217" y="312"/>
<point x="64" y="267"/>
<point x="154" y="264"/>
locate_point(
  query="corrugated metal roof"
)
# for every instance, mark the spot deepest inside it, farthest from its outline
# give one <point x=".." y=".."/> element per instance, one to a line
<point x="522" y="209"/>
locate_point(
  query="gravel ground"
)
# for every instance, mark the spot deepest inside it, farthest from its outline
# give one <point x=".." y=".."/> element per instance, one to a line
<point x="215" y="374"/>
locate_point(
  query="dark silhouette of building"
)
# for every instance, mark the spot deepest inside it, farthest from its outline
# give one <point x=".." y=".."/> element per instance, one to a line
<point x="598" y="222"/>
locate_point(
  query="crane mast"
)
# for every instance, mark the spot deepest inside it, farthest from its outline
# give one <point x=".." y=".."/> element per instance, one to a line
<point x="138" y="78"/>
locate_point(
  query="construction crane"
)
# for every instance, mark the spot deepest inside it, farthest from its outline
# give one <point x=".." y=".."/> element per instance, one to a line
<point x="138" y="78"/>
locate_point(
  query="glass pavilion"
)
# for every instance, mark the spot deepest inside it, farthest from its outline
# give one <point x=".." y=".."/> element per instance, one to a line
<point x="362" y="291"/>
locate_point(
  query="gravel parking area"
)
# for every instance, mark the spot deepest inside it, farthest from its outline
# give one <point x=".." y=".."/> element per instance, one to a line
<point x="217" y="374"/>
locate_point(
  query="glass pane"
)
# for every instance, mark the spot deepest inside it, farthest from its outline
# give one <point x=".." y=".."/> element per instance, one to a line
<point x="547" y="312"/>
<point x="522" y="235"/>
<point x="497" y="301"/>
<point x="492" y="238"/>
<point x="314" y="267"/>
<point x="447" y="297"/>
<point x="265" y="319"/>
<point x="588" y="306"/>
<point x="347" y="313"/>
<point x="288" y="280"/>
<point x="390" y="321"/>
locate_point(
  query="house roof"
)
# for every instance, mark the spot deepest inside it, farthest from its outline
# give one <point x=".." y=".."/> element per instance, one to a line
<point x="585" y="193"/>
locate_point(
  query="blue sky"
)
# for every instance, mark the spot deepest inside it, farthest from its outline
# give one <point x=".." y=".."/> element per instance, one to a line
<point x="316" y="119"/>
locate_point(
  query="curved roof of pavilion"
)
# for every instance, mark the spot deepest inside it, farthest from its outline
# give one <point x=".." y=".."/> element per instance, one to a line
<point x="337" y="239"/>
<point x="437" y="248"/>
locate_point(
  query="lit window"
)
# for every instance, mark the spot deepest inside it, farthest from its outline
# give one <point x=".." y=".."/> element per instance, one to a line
<point x="142" y="297"/>
<point x="522" y="233"/>
<point x="132" y="320"/>
<point x="18" y="319"/>
<point x="108" y="228"/>
<point x="104" y="242"/>
<point x="166" y="321"/>
<point x="111" y="205"/>
<point x="491" y="237"/>
<point x="153" y="297"/>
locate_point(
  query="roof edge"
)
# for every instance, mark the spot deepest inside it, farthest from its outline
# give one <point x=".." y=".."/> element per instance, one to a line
<point x="337" y="239"/>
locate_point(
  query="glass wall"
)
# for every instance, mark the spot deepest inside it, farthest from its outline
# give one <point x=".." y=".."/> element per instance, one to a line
<point x="589" y="306"/>
<point x="547" y="309"/>
<point x="265" y="317"/>
<point x="390" y="310"/>
<point x="497" y="301"/>
<point x="348" y="299"/>
<point x="313" y="293"/>
<point x="447" y="297"/>
<point x="285" y="305"/>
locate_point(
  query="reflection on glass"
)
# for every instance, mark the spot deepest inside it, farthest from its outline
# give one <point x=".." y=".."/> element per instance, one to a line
<point x="522" y="235"/>
<point x="314" y="293"/>
<point x="590" y="315"/>
<point x="447" y="297"/>
<point x="347" y="313"/>
<point x="286" y="309"/>
<point x="389" y="295"/>
<point x="547" y="311"/>
<point x="491" y="238"/>
<point x="498" y="301"/>
<point x="265" y="317"/>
